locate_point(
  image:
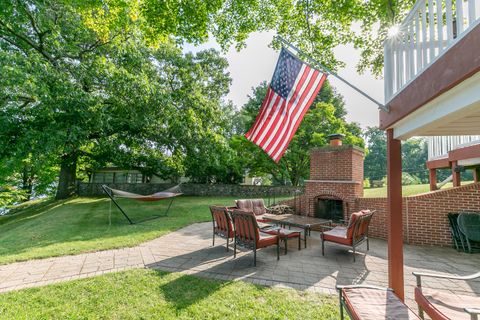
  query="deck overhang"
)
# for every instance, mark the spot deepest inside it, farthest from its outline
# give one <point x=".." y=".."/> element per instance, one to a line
<point x="444" y="99"/>
<point x="455" y="112"/>
<point x="467" y="156"/>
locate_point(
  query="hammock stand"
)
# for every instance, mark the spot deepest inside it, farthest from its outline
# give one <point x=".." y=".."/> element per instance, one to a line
<point x="114" y="193"/>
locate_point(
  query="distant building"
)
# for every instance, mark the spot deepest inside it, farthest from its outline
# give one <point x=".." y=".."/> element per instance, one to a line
<point x="252" y="181"/>
<point x="123" y="175"/>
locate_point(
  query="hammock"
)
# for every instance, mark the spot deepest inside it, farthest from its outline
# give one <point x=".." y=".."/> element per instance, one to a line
<point x="167" y="194"/>
<point x="152" y="197"/>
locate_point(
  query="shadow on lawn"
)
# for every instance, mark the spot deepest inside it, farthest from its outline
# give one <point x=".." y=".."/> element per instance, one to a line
<point x="187" y="290"/>
<point x="30" y="211"/>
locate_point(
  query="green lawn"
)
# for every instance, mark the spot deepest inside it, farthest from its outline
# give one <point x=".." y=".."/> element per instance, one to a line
<point x="53" y="228"/>
<point x="149" y="294"/>
<point x="407" y="190"/>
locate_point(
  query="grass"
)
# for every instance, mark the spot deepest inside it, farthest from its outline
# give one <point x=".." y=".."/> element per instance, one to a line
<point x="149" y="294"/>
<point x="406" y="190"/>
<point x="52" y="228"/>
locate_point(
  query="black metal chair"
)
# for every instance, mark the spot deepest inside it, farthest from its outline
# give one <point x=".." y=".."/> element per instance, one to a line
<point x="469" y="226"/>
<point x="457" y="237"/>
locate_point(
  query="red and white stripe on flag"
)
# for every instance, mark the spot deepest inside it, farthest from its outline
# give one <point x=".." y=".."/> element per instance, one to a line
<point x="294" y="87"/>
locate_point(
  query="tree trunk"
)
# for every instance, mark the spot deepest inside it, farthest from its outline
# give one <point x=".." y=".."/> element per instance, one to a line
<point x="67" y="178"/>
<point x="27" y="182"/>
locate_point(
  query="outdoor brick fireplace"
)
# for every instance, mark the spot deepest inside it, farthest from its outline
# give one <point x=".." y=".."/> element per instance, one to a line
<point x="336" y="180"/>
<point x="335" y="190"/>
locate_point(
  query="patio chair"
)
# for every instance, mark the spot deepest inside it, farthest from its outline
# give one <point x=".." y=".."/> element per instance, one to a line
<point x="458" y="238"/>
<point x="248" y="235"/>
<point x="222" y="223"/>
<point x="364" y="302"/>
<point x="469" y="226"/>
<point x="354" y="234"/>
<point x="257" y="206"/>
<point x="443" y="306"/>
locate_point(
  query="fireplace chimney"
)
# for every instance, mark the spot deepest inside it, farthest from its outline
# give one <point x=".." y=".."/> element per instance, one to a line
<point x="336" y="139"/>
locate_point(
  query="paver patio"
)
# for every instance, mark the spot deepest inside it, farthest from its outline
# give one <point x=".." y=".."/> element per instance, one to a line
<point x="189" y="250"/>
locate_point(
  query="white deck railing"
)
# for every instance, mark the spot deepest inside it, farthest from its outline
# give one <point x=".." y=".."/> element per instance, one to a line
<point x="429" y="30"/>
<point x="439" y="146"/>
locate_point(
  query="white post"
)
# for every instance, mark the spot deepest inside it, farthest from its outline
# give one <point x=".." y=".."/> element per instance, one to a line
<point x="440" y="25"/>
<point x="408" y="56"/>
<point x="412" y="50"/>
<point x="459" y="17"/>
<point x="424" y="36"/>
<point x="431" y="25"/>
<point x="401" y="62"/>
<point x="387" y="69"/>
<point x="419" y="50"/>
<point x="448" y="7"/>
<point x="471" y="12"/>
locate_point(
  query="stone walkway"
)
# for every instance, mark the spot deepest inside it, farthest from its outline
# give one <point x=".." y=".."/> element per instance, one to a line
<point x="189" y="250"/>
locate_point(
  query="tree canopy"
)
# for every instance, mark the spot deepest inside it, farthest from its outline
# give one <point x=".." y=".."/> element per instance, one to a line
<point x="87" y="82"/>
<point x="71" y="98"/>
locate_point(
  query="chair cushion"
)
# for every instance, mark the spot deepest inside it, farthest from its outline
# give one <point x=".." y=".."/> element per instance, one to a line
<point x="266" y="240"/>
<point x="337" y="235"/>
<point x="374" y="304"/>
<point x="440" y="305"/>
<point x="222" y="219"/>
<point x="351" y="223"/>
<point x="284" y="233"/>
<point x="257" y="206"/>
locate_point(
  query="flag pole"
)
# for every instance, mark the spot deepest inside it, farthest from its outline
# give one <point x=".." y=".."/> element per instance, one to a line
<point x="329" y="71"/>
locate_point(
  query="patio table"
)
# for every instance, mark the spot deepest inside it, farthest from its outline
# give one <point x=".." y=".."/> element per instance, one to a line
<point x="294" y="220"/>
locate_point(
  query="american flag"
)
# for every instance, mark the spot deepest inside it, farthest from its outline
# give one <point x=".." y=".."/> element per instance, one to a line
<point x="293" y="88"/>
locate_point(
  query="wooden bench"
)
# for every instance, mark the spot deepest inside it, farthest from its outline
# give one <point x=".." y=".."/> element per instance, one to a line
<point x="364" y="302"/>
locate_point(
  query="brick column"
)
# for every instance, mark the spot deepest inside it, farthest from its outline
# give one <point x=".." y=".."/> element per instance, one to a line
<point x="455" y="175"/>
<point x="433" y="179"/>
<point x="395" y="223"/>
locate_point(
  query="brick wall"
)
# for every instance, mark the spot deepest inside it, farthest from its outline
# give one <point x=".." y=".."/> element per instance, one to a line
<point x="343" y="163"/>
<point x="424" y="216"/>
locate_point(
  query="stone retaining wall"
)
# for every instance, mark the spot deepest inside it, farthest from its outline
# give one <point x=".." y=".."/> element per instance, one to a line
<point x="191" y="189"/>
<point x="95" y="189"/>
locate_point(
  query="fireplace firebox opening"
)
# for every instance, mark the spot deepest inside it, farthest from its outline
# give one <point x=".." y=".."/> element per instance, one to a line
<point x="331" y="209"/>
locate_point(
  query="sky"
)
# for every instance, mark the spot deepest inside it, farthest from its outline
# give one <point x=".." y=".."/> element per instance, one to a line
<point x="256" y="63"/>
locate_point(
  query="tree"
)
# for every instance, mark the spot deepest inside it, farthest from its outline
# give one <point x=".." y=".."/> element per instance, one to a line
<point x="84" y="79"/>
<point x="323" y="118"/>
<point x="414" y="157"/>
<point x="375" y="165"/>
<point x="316" y="27"/>
<point x="91" y="98"/>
